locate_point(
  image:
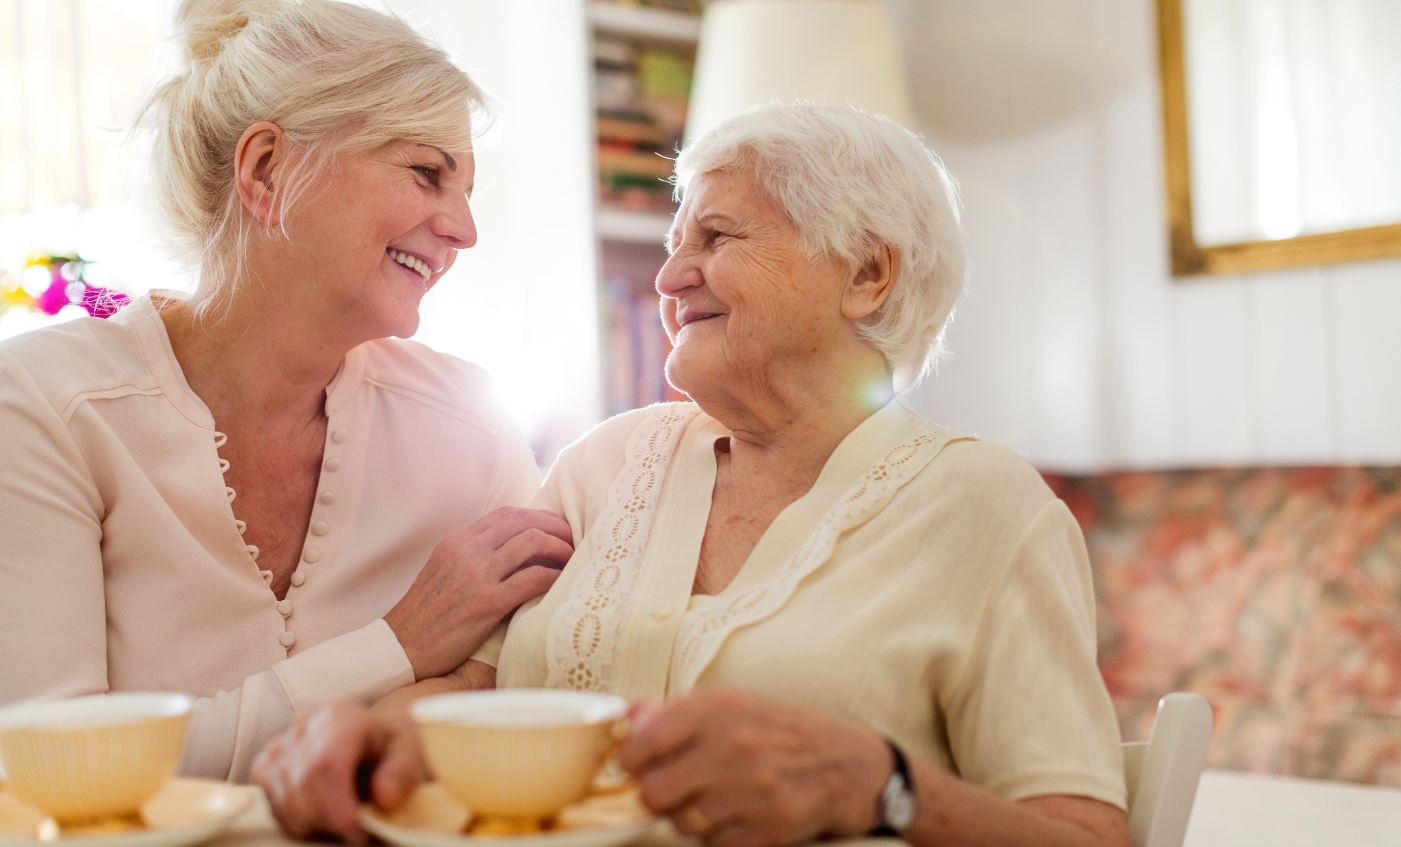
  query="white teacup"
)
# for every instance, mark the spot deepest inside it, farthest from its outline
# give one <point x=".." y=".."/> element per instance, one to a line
<point x="95" y="757"/>
<point x="522" y="753"/>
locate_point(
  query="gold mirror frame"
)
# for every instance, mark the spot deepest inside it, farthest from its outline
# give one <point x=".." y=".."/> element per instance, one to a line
<point x="1190" y="258"/>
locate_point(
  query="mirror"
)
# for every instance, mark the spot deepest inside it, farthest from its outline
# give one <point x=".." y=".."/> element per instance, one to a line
<point x="1282" y="132"/>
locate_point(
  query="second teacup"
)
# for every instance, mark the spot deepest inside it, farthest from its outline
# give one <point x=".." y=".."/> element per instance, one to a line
<point x="93" y="757"/>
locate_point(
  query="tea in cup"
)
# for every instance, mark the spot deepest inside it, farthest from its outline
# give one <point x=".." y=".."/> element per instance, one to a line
<point x="524" y="753"/>
<point x="95" y="757"/>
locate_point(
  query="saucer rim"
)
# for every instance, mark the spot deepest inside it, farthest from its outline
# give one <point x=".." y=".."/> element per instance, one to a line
<point x="373" y="820"/>
<point x="158" y="837"/>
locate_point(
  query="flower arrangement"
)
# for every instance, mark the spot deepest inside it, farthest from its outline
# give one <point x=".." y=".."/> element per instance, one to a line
<point x="63" y="285"/>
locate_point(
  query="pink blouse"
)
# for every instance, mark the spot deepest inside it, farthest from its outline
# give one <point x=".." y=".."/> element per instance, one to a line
<point x="122" y="562"/>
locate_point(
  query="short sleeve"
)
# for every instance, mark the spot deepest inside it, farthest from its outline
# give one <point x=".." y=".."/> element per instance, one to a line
<point x="1028" y="713"/>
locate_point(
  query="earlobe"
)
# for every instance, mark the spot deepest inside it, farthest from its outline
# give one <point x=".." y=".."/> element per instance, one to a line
<point x="257" y="161"/>
<point x="871" y="284"/>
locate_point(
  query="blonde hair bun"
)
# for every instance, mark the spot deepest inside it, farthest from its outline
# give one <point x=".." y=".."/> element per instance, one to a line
<point x="205" y="25"/>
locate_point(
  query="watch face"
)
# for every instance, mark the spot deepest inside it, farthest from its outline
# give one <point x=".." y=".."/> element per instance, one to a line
<point x="900" y="811"/>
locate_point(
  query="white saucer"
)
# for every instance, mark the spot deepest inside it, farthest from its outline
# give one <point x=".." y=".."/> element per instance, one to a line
<point x="432" y="818"/>
<point x="184" y="812"/>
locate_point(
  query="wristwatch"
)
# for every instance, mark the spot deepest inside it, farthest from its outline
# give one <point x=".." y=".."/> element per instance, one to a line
<point x="896" y="805"/>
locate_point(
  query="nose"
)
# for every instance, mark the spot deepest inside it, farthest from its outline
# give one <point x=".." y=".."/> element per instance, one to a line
<point x="679" y="273"/>
<point x="455" y="222"/>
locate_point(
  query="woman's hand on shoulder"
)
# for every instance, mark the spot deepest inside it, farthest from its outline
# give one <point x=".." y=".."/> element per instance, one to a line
<point x="737" y="769"/>
<point x="475" y="578"/>
<point x="309" y="773"/>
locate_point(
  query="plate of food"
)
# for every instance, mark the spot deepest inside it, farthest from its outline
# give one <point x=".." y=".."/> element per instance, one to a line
<point x="432" y="817"/>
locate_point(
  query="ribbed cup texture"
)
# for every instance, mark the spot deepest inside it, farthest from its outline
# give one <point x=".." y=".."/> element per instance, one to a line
<point x="89" y="773"/>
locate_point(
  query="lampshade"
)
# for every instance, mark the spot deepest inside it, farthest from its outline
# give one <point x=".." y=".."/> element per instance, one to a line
<point x="826" y="51"/>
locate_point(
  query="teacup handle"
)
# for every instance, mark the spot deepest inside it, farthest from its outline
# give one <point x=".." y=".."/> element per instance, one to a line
<point x="611" y="778"/>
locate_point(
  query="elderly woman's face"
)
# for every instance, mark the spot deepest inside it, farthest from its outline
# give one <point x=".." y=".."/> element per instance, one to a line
<point x="384" y="231"/>
<point x="740" y="301"/>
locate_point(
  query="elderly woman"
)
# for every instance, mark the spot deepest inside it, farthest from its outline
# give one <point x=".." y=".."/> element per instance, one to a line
<point x="253" y="494"/>
<point x="859" y="621"/>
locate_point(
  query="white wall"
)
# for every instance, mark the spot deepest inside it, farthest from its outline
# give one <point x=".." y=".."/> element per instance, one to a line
<point x="1074" y="346"/>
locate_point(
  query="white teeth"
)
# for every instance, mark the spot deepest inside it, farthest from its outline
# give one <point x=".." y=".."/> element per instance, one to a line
<point x="411" y="262"/>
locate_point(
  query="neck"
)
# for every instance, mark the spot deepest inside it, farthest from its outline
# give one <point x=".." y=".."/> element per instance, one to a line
<point x="254" y="358"/>
<point x="786" y="429"/>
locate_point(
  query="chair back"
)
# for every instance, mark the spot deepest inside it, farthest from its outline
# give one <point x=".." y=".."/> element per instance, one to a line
<point x="1162" y="772"/>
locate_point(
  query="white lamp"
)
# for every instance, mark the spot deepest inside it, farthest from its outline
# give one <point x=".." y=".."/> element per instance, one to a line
<point x="826" y="51"/>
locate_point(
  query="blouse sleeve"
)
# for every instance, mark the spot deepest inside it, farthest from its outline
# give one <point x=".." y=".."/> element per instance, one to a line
<point x="53" y="627"/>
<point x="53" y="610"/>
<point x="1028" y="713"/>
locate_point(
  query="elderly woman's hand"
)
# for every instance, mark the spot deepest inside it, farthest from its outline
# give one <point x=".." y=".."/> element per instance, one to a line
<point x="739" y="770"/>
<point x="474" y="579"/>
<point x="310" y="772"/>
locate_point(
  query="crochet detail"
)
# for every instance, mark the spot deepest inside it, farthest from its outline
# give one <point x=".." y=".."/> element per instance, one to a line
<point x="583" y="633"/>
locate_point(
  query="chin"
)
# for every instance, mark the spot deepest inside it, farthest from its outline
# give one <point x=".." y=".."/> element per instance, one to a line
<point x="684" y="373"/>
<point x="397" y="324"/>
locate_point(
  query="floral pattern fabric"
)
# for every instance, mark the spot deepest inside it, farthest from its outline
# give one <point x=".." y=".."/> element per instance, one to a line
<point x="1273" y="592"/>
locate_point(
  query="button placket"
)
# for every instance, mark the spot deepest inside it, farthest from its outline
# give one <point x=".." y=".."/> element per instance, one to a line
<point x="320" y="528"/>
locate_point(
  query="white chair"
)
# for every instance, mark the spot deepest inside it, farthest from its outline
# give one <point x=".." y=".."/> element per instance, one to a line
<point x="1162" y="772"/>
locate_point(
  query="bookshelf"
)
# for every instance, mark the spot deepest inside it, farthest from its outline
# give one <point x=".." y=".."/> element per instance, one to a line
<point x="642" y="55"/>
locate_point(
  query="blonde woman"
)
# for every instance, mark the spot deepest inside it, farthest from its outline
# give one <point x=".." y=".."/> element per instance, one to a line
<point x="842" y="617"/>
<point x="254" y="494"/>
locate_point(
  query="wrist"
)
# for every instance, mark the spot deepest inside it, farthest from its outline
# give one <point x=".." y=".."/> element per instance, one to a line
<point x="396" y="625"/>
<point x="859" y="802"/>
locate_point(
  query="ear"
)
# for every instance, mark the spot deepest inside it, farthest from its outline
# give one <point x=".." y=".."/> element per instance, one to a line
<point x="258" y="160"/>
<point x="870" y="284"/>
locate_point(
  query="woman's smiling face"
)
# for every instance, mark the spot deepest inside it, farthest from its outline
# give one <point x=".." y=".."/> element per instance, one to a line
<point x="740" y="299"/>
<point x="380" y="230"/>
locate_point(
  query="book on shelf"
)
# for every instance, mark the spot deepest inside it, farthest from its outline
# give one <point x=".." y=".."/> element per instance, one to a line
<point x="640" y="93"/>
<point x="637" y="348"/>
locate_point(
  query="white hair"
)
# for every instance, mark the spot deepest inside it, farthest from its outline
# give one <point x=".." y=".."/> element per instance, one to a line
<point x="335" y="77"/>
<point x="853" y="182"/>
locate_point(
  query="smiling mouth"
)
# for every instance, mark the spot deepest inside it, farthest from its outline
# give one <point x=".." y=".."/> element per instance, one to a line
<point x="410" y="263"/>
<point x="700" y="319"/>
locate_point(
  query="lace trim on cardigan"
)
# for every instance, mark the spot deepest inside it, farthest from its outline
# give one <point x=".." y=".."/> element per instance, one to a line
<point x="584" y="630"/>
<point x="702" y="634"/>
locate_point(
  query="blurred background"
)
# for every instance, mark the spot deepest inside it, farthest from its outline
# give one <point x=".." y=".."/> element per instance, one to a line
<point x="1183" y="218"/>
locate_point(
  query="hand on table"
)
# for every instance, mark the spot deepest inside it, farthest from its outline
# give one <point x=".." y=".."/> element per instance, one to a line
<point x="742" y="771"/>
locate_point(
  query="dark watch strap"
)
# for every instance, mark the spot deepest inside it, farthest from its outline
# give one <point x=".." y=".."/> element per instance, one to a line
<point x="896" y="802"/>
